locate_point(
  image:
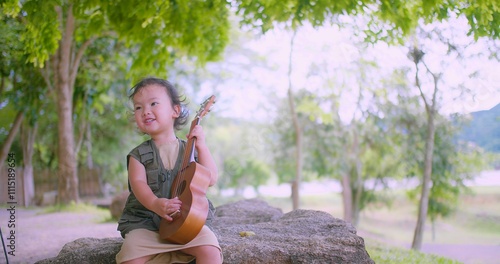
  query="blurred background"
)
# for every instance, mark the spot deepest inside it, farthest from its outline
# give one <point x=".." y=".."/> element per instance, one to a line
<point x="386" y="115"/>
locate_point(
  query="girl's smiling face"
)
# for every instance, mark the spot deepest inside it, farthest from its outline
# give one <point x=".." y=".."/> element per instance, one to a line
<point x="153" y="110"/>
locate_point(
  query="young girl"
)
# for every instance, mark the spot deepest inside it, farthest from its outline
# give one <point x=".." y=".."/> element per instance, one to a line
<point x="152" y="167"/>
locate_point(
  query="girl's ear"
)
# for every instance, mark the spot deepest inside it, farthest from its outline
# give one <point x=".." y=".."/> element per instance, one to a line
<point x="177" y="111"/>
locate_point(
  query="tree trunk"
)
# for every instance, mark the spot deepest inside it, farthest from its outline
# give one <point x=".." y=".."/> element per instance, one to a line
<point x="430" y="109"/>
<point x="67" y="170"/>
<point x="358" y="187"/>
<point x="298" y="134"/>
<point x="347" y="197"/>
<point x="10" y="137"/>
<point x="426" y="183"/>
<point x="298" y="154"/>
<point x="28" y="135"/>
<point x="90" y="161"/>
<point x="433" y="223"/>
<point x="68" y="180"/>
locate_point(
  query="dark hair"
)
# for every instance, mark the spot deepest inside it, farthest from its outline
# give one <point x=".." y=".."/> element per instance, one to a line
<point x="172" y="92"/>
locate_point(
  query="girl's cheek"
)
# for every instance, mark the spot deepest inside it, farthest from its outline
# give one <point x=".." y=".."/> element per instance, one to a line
<point x="137" y="117"/>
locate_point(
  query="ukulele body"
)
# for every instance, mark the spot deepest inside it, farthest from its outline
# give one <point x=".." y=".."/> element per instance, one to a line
<point x="191" y="185"/>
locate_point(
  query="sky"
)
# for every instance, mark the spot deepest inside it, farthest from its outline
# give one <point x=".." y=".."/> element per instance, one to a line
<point x="252" y="93"/>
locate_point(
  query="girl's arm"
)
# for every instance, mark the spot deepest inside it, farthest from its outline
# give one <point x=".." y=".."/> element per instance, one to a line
<point x="138" y="182"/>
<point x="204" y="156"/>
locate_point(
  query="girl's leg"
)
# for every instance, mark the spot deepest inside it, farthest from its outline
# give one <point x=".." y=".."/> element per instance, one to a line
<point x="205" y="254"/>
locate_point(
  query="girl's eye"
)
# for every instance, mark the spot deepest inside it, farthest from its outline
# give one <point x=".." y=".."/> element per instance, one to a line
<point x="137" y="108"/>
<point x="154" y="103"/>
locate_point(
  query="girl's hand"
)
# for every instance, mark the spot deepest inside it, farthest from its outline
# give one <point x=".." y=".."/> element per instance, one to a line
<point x="199" y="134"/>
<point x="204" y="156"/>
<point x="166" y="207"/>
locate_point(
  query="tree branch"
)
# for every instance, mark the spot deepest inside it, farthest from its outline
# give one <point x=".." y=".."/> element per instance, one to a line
<point x="435" y="78"/>
<point x="10" y="137"/>
<point x="65" y="47"/>
<point x="78" y="58"/>
<point x="45" y="71"/>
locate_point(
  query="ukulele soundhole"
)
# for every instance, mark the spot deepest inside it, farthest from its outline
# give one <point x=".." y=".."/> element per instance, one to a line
<point x="181" y="188"/>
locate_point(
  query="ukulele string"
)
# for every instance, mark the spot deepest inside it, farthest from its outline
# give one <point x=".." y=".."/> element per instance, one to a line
<point x="185" y="161"/>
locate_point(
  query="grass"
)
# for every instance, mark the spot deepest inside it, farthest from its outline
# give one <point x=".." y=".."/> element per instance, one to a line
<point x="101" y="215"/>
<point x="484" y="219"/>
<point x="381" y="253"/>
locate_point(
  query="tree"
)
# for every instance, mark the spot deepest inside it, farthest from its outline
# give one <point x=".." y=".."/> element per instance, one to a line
<point x="298" y="132"/>
<point x="58" y="33"/>
<point x="10" y="68"/>
<point x="22" y="94"/>
<point x="431" y="111"/>
<point x="453" y="164"/>
<point x="430" y="80"/>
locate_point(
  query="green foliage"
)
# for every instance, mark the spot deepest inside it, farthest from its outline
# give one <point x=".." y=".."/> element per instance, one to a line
<point x="41" y="35"/>
<point x="157" y="32"/>
<point x="239" y="148"/>
<point x="7" y="116"/>
<point x="10" y="47"/>
<point x="22" y="84"/>
<point x="390" y="21"/>
<point x="283" y="143"/>
<point x="161" y="31"/>
<point x="71" y="207"/>
<point x="246" y="172"/>
<point x="483" y="17"/>
<point x="45" y="148"/>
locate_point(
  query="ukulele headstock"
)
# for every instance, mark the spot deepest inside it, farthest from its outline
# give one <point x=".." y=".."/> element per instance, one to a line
<point x="206" y="106"/>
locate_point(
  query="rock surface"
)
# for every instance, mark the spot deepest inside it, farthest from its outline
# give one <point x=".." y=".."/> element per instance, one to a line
<point x="251" y="231"/>
<point x="117" y="205"/>
<point x="88" y="251"/>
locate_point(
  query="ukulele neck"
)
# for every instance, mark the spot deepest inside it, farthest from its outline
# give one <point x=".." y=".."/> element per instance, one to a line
<point x="191" y="143"/>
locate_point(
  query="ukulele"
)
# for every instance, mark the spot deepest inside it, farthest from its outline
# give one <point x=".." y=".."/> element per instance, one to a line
<point x="190" y="186"/>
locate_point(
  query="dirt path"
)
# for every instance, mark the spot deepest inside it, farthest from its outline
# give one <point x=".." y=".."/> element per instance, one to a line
<point x="469" y="254"/>
<point x="41" y="236"/>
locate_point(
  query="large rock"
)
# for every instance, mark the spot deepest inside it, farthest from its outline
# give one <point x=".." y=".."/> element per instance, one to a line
<point x="251" y="231"/>
<point x="88" y="251"/>
<point x="117" y="205"/>
<point x="301" y="236"/>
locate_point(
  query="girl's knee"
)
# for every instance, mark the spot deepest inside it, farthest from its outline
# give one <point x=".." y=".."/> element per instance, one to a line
<point x="205" y="254"/>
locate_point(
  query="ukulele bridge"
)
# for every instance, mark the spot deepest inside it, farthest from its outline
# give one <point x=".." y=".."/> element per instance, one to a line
<point x="174" y="214"/>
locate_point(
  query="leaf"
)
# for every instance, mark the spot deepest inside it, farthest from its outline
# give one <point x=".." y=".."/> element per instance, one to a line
<point x="247" y="233"/>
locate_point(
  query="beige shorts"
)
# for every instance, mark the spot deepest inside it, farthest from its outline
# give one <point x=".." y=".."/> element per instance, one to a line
<point x="142" y="242"/>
